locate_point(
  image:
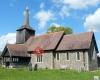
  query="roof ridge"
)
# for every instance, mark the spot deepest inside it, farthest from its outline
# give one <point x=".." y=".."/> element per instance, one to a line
<point x="75" y="34"/>
<point x="16" y="44"/>
<point x="47" y="34"/>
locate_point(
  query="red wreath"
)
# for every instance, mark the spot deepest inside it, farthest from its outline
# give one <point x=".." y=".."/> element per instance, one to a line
<point x="38" y="51"/>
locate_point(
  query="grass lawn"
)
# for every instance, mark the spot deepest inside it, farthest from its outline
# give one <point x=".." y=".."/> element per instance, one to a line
<point x="24" y="74"/>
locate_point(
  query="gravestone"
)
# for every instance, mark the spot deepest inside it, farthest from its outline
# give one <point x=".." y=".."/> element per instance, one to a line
<point x="96" y="77"/>
<point x="30" y="66"/>
<point x="35" y="67"/>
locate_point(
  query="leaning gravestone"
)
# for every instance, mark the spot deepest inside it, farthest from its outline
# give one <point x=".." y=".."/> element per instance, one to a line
<point x="96" y="77"/>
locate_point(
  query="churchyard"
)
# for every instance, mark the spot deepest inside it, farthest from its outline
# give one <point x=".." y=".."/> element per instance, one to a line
<point x="25" y="74"/>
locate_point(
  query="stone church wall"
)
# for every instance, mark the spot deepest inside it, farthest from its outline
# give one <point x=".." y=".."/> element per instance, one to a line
<point x="72" y="63"/>
<point x="46" y="60"/>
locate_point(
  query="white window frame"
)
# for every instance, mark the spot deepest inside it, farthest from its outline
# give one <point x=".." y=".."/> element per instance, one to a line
<point x="77" y="56"/>
<point x="57" y="56"/>
<point x="39" y="58"/>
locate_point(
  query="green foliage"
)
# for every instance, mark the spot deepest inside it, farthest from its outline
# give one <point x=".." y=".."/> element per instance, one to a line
<point x="67" y="30"/>
<point x="24" y="74"/>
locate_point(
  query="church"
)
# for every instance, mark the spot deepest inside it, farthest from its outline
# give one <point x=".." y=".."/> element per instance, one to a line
<point x="59" y="51"/>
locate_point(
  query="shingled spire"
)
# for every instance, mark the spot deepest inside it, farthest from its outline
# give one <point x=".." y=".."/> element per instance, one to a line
<point x="26" y="20"/>
<point x="25" y="31"/>
<point x="26" y="17"/>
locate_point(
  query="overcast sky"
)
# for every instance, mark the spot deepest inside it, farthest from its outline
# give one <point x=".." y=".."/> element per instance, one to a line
<point x="80" y="15"/>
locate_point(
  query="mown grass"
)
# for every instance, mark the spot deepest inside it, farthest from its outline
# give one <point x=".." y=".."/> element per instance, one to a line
<point x="24" y="74"/>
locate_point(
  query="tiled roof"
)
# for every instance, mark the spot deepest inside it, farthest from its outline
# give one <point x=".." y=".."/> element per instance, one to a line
<point x="46" y="42"/>
<point x="53" y="41"/>
<point x="76" y="41"/>
<point x="17" y="50"/>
